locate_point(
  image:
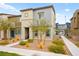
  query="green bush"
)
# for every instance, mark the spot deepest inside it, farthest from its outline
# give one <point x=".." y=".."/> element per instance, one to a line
<point x="58" y="42"/>
<point x="22" y="43"/>
<point x="56" y="49"/>
<point x="57" y="46"/>
<point x="30" y="40"/>
<point x="4" y="42"/>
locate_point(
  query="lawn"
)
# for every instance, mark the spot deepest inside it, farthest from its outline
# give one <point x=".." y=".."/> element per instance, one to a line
<point x="8" y="54"/>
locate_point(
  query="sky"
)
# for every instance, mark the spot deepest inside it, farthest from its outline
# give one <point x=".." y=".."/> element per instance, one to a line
<point x="64" y="11"/>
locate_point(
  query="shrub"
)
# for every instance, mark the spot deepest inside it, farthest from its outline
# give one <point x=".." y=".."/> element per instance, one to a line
<point x="57" y="46"/>
<point x="30" y="40"/>
<point x="27" y="44"/>
<point x="58" y="42"/>
<point x="41" y="45"/>
<point x="4" y="42"/>
<point x="77" y="43"/>
<point x="56" y="49"/>
<point x="22" y="43"/>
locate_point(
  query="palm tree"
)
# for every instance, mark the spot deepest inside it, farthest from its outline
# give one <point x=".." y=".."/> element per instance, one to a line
<point x="5" y="25"/>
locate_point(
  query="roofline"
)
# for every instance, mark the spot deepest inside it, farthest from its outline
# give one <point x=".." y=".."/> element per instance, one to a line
<point x="71" y="18"/>
<point x="50" y="6"/>
<point x="44" y="7"/>
<point x="5" y="14"/>
<point x="14" y="16"/>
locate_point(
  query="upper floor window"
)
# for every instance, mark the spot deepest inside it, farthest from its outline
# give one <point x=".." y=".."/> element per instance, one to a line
<point x="41" y="15"/>
<point x="74" y="17"/>
<point x="26" y="14"/>
<point x="36" y="33"/>
<point x="78" y="13"/>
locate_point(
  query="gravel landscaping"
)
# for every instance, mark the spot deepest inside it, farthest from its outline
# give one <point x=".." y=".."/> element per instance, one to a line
<point x="58" y="46"/>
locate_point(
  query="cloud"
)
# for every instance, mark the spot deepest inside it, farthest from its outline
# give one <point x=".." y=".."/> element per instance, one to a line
<point x="67" y="10"/>
<point x="62" y="18"/>
<point x="8" y="7"/>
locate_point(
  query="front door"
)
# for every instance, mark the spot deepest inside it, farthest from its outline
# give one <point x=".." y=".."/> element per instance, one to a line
<point x="12" y="34"/>
<point x="26" y="33"/>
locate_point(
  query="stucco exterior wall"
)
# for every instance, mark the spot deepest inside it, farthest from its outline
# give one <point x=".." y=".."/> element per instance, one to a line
<point x="27" y="18"/>
<point x="26" y="21"/>
<point x="33" y="14"/>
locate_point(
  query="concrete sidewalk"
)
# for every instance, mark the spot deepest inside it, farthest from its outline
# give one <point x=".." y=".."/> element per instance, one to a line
<point x="9" y="45"/>
<point x="26" y="52"/>
<point x="72" y="47"/>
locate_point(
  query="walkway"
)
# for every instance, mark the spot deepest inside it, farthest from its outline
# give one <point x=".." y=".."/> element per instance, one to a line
<point x="72" y="47"/>
<point x="27" y="52"/>
<point x="13" y="44"/>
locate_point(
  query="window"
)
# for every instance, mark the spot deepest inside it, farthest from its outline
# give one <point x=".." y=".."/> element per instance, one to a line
<point x="78" y="13"/>
<point x="36" y="33"/>
<point x="26" y="14"/>
<point x="48" y="32"/>
<point x="74" y="19"/>
<point x="41" y="15"/>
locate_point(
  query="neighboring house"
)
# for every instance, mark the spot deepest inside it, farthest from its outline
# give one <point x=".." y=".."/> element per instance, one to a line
<point x="75" y="25"/>
<point x="24" y="21"/>
<point x="62" y="27"/>
<point x="15" y="20"/>
<point x="3" y="16"/>
<point x="68" y="25"/>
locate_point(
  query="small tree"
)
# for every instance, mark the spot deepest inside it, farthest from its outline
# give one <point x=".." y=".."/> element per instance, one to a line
<point x="41" y="25"/>
<point x="5" y="25"/>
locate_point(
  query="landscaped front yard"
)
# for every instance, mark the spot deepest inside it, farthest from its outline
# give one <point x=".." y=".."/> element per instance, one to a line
<point x="9" y="41"/>
<point x="56" y="45"/>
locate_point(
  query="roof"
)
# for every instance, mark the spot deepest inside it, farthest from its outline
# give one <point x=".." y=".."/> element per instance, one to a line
<point x="4" y="14"/>
<point x="14" y="16"/>
<point x="50" y="6"/>
<point x="71" y="18"/>
<point x="76" y="11"/>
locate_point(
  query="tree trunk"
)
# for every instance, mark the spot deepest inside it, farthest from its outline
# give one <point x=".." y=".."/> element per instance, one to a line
<point x="44" y="37"/>
<point x="5" y="34"/>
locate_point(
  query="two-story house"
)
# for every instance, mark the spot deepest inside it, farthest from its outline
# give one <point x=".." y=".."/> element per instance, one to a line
<point x="75" y="25"/>
<point x="3" y="16"/>
<point x="28" y="15"/>
<point x="24" y="21"/>
<point x="15" y="21"/>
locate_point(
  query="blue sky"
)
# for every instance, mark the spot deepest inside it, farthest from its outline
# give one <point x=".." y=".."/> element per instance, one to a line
<point x="64" y="11"/>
